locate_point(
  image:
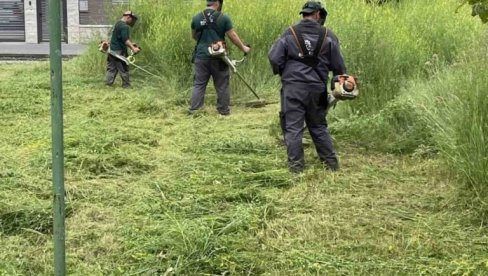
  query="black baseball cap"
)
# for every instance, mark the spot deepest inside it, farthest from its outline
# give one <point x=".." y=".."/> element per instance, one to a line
<point x="311" y="6"/>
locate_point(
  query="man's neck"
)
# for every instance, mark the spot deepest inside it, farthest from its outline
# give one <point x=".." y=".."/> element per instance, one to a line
<point x="309" y="18"/>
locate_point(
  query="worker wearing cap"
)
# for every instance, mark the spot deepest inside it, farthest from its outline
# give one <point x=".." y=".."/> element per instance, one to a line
<point x="210" y="26"/>
<point x="303" y="57"/>
<point x="119" y="43"/>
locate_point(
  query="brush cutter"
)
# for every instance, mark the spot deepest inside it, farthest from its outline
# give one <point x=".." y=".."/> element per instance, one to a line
<point x="104" y="47"/>
<point x="219" y="49"/>
<point x="344" y="87"/>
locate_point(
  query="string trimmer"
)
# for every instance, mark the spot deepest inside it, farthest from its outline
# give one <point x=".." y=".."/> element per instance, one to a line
<point x="105" y="48"/>
<point x="219" y="49"/>
<point x="344" y="87"/>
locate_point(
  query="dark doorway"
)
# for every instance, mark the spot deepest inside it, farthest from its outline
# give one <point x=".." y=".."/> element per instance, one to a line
<point x="43" y="23"/>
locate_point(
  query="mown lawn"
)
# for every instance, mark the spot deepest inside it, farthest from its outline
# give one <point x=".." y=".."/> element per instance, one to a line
<point x="152" y="191"/>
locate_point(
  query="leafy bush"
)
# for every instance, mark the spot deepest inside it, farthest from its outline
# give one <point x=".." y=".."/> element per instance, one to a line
<point x="479" y="8"/>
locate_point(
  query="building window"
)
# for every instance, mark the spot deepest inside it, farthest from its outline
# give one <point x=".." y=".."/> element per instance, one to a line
<point x="83" y="5"/>
<point x="98" y="12"/>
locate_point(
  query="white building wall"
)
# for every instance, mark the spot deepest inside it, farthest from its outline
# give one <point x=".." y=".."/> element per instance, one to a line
<point x="73" y="21"/>
<point x="76" y="33"/>
<point x="83" y="33"/>
<point x="30" y="15"/>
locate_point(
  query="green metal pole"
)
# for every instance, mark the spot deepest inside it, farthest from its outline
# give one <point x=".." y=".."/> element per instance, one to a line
<point x="55" y="58"/>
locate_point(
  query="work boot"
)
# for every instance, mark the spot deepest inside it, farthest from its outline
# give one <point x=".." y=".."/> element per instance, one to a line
<point x="195" y="113"/>
<point x="295" y="171"/>
<point x="331" y="167"/>
<point x="224" y="112"/>
<point x="295" y="167"/>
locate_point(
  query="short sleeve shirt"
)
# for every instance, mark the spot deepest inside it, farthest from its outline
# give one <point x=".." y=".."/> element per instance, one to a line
<point x="205" y="34"/>
<point x="120" y="35"/>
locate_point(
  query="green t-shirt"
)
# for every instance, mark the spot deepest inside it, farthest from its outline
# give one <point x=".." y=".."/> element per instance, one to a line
<point x="120" y="34"/>
<point x="208" y="35"/>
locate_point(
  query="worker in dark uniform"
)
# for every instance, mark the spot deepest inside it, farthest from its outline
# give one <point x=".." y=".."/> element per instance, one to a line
<point x="210" y="26"/>
<point x="119" y="43"/>
<point x="303" y="57"/>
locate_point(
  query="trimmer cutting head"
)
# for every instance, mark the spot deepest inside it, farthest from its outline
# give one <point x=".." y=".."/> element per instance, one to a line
<point x="256" y="104"/>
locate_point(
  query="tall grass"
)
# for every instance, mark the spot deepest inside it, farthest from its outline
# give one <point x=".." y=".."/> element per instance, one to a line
<point x="455" y="104"/>
<point x="384" y="45"/>
<point x="164" y="34"/>
<point x="152" y="191"/>
<point x="387" y="46"/>
<point x="398" y="128"/>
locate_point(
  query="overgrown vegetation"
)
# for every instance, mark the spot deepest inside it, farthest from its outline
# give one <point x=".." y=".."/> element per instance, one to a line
<point x="459" y="120"/>
<point x="151" y="191"/>
<point x="479" y="8"/>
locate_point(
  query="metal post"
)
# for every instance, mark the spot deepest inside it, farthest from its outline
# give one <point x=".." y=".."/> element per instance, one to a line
<point x="55" y="58"/>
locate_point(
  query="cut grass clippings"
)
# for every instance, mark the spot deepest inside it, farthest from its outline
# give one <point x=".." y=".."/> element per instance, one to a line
<point x="151" y="191"/>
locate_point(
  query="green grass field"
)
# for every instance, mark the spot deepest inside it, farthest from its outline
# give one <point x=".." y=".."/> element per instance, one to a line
<point x="152" y="191"/>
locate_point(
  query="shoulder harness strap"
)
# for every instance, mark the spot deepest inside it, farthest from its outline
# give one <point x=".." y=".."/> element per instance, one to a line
<point x="212" y="24"/>
<point x="310" y="60"/>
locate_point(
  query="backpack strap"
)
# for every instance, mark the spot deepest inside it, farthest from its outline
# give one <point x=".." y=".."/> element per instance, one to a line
<point x="212" y="24"/>
<point x="321" y="41"/>
<point x="309" y="59"/>
<point x="301" y="44"/>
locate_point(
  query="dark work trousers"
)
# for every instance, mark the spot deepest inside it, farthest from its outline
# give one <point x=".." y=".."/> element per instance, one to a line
<point x="305" y="104"/>
<point x="220" y="73"/>
<point x="114" y="66"/>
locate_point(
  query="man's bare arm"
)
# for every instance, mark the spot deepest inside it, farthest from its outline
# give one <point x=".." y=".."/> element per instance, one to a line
<point x="237" y="41"/>
<point x="131" y="46"/>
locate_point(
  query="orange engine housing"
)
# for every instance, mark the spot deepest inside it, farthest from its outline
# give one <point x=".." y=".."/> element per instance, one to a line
<point x="103" y="46"/>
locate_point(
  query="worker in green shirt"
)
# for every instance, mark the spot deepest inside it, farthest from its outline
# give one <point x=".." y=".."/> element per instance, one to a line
<point x="119" y="44"/>
<point x="209" y="26"/>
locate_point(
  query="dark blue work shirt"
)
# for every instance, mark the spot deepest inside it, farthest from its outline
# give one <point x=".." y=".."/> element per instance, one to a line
<point x="284" y="56"/>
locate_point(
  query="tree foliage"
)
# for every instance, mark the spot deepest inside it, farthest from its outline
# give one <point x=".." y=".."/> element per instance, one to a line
<point x="479" y="8"/>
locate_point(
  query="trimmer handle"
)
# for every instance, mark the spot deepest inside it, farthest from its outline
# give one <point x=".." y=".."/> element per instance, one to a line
<point x="137" y="46"/>
<point x="248" y="45"/>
